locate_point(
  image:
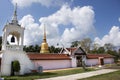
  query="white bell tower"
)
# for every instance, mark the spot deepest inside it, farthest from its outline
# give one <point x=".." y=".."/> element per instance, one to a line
<point x="13" y="50"/>
<point x="16" y="32"/>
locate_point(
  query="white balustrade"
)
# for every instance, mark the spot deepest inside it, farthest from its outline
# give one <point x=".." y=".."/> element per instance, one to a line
<point x="14" y="47"/>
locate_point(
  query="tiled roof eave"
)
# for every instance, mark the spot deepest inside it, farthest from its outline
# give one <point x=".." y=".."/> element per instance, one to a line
<point x="97" y="57"/>
<point x="48" y="57"/>
<point x="52" y="59"/>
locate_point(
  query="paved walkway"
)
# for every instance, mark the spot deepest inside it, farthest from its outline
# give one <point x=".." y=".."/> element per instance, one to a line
<point x="81" y="75"/>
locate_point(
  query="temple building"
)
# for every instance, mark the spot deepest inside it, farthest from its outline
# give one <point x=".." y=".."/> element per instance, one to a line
<point x="13" y="50"/>
<point x="67" y="58"/>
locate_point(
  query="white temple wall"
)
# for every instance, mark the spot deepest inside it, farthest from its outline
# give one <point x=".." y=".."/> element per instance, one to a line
<point x="93" y="62"/>
<point x="108" y="60"/>
<point x="52" y="64"/>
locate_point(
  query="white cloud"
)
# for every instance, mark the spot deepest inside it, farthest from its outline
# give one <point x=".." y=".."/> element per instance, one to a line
<point x="32" y="30"/>
<point x="47" y="3"/>
<point x="77" y="22"/>
<point x="119" y="19"/>
<point x="112" y="37"/>
<point x="80" y="18"/>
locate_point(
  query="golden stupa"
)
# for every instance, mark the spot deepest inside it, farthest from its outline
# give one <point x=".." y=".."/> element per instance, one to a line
<point x="44" y="45"/>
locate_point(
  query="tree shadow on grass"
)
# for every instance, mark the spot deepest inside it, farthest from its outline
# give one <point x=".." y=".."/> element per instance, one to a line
<point x="10" y="79"/>
<point x="39" y="74"/>
<point x="32" y="76"/>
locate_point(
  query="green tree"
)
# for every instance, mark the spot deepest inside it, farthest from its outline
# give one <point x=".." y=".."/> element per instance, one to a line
<point x="74" y="43"/>
<point x="57" y="50"/>
<point x="32" y="48"/>
<point x="101" y="50"/>
<point x="52" y="49"/>
<point x="108" y="46"/>
<point x="94" y="48"/>
<point x="114" y="53"/>
<point x="36" y="48"/>
<point x="119" y="53"/>
<point x="86" y="44"/>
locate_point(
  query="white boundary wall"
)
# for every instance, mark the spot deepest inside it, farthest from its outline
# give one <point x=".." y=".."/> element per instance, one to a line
<point x="52" y="64"/>
<point x="93" y="62"/>
<point x="108" y="60"/>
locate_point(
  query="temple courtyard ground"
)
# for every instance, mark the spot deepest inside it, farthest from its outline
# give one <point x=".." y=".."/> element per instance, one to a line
<point x="82" y="75"/>
<point x="108" y="71"/>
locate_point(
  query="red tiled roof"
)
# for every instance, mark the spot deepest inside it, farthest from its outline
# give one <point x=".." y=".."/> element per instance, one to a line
<point x="95" y="56"/>
<point x="50" y="56"/>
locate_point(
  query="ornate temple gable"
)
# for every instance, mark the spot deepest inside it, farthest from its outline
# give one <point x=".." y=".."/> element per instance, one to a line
<point x="79" y="51"/>
<point x="65" y="51"/>
<point x="73" y="51"/>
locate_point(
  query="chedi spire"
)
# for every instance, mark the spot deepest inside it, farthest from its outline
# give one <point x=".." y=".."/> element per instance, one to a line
<point x="44" y="45"/>
<point x="14" y="18"/>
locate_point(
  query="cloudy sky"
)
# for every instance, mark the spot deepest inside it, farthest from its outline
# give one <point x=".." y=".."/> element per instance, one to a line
<point x="65" y="20"/>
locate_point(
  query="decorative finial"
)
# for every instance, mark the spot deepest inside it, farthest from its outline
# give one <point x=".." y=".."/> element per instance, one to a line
<point x="14" y="18"/>
<point x="44" y="39"/>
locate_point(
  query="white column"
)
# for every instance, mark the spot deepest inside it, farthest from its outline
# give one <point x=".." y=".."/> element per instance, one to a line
<point x="22" y="38"/>
<point x="18" y="38"/>
<point x="73" y="62"/>
<point x="5" y="40"/>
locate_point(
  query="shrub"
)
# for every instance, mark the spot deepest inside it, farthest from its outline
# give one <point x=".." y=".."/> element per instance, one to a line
<point x="16" y="66"/>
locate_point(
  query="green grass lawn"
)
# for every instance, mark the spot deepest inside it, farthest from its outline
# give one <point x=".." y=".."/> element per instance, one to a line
<point x="110" y="76"/>
<point x="47" y="74"/>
